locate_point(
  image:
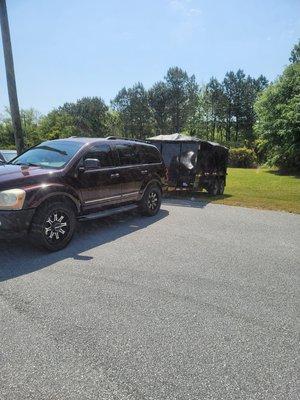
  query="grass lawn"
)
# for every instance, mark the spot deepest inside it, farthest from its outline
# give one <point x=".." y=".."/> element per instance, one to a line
<point x="259" y="188"/>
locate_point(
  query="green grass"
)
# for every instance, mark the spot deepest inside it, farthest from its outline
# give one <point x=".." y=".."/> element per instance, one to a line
<point x="259" y="188"/>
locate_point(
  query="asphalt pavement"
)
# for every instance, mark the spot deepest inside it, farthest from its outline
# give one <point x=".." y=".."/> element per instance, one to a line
<point x="199" y="302"/>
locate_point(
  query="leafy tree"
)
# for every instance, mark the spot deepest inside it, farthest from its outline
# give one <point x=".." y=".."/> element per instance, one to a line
<point x="250" y="93"/>
<point x="114" y="124"/>
<point x="229" y="85"/>
<point x="237" y="99"/>
<point x="208" y="119"/>
<point x="6" y="130"/>
<point x="278" y="119"/>
<point x="159" y="98"/>
<point x="295" y="53"/>
<point x="225" y="110"/>
<point x="133" y="106"/>
<point x="183" y="95"/>
<point x="30" y="121"/>
<point x="216" y="98"/>
<point x="198" y="124"/>
<point x="241" y="92"/>
<point x="55" y="125"/>
<point x="89" y="115"/>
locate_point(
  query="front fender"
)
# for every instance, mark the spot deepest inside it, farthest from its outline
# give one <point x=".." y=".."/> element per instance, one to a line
<point x="36" y="195"/>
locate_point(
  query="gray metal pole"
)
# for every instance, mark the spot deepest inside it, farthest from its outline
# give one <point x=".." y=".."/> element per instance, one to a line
<point x="10" y="76"/>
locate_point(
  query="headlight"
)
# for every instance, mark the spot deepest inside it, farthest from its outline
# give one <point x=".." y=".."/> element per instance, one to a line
<point x="12" y="199"/>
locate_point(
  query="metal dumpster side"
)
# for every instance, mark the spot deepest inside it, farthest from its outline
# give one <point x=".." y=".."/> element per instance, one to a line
<point x="194" y="164"/>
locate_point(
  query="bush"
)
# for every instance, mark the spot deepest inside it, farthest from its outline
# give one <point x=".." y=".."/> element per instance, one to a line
<point x="242" y="158"/>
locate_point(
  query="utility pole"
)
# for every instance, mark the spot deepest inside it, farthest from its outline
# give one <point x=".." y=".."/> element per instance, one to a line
<point x="10" y="77"/>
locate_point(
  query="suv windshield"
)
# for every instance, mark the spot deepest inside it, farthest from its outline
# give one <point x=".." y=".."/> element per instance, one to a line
<point x="50" y="154"/>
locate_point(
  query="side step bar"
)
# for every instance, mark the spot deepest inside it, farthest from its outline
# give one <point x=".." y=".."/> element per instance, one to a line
<point x="108" y="212"/>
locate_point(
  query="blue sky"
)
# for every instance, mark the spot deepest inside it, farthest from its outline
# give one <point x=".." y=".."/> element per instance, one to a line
<point x="66" y="49"/>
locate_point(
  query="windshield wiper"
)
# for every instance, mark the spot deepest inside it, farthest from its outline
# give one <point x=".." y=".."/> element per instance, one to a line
<point x="27" y="164"/>
<point x="64" y="153"/>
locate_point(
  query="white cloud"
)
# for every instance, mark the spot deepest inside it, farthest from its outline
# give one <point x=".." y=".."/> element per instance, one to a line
<point x="184" y="7"/>
<point x="193" y="12"/>
<point x="189" y="19"/>
<point x="177" y="5"/>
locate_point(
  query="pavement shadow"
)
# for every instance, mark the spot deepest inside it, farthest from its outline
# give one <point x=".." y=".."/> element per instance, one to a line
<point x="19" y="257"/>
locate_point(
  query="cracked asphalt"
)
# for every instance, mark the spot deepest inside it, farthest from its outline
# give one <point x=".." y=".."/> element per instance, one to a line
<point x="199" y="302"/>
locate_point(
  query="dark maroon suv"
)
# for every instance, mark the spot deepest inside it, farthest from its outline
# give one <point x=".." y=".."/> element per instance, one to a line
<point x="46" y="189"/>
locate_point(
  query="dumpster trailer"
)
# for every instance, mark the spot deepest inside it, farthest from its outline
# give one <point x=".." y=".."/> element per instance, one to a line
<point x="192" y="163"/>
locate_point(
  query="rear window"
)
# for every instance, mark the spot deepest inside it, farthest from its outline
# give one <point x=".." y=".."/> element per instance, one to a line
<point x="149" y="155"/>
<point x="128" y="154"/>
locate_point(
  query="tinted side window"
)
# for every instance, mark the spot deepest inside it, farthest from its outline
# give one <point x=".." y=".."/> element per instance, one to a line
<point x="103" y="153"/>
<point x="149" y="155"/>
<point x="128" y="154"/>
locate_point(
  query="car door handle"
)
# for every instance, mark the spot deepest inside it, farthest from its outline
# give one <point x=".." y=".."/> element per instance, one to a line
<point x="116" y="175"/>
<point x="144" y="172"/>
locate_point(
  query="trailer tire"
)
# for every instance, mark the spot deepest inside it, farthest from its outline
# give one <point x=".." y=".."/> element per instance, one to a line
<point x="213" y="188"/>
<point x="221" y="185"/>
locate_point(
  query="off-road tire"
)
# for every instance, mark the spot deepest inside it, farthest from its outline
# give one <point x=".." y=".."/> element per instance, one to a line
<point x="151" y="201"/>
<point x="53" y="225"/>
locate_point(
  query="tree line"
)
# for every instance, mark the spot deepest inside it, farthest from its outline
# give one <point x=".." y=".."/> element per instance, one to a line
<point x="238" y="111"/>
<point x="217" y="111"/>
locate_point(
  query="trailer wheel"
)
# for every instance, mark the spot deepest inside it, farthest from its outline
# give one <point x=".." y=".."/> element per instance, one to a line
<point x="221" y="186"/>
<point x="213" y="188"/>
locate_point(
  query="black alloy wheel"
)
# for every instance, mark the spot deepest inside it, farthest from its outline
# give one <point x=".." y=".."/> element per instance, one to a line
<point x="53" y="225"/>
<point x="151" y="201"/>
<point x="56" y="227"/>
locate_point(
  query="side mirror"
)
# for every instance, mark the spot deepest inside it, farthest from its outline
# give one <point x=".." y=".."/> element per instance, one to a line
<point x="91" y="163"/>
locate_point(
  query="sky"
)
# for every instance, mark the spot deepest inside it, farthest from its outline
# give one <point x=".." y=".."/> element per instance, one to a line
<point x="67" y="49"/>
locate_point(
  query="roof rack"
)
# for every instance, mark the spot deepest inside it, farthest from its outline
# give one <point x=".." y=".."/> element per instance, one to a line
<point x="123" y="138"/>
